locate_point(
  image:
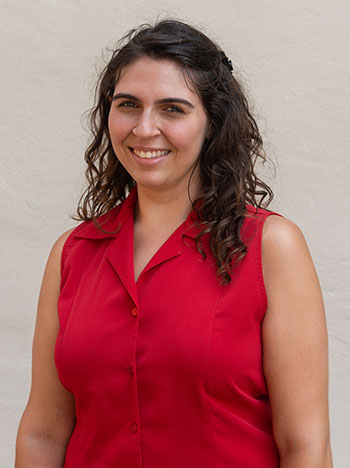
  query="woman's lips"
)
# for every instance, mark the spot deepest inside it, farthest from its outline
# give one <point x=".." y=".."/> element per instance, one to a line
<point x="149" y="156"/>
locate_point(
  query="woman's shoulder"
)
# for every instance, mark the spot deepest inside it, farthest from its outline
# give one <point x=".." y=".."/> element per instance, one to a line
<point x="275" y="227"/>
<point x="281" y="234"/>
<point x="104" y="226"/>
<point x="284" y="249"/>
<point x="60" y="241"/>
<point x="281" y="239"/>
<point x="52" y="274"/>
<point x="58" y="246"/>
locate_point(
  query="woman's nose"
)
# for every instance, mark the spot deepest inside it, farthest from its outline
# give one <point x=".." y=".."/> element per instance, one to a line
<point x="146" y="126"/>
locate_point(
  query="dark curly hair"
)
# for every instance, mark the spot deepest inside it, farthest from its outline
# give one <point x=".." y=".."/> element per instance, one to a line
<point x="227" y="158"/>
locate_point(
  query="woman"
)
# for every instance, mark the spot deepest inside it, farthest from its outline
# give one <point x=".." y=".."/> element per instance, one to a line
<point x="187" y="320"/>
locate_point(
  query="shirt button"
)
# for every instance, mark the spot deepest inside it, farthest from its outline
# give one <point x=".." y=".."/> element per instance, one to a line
<point x="134" y="312"/>
<point x="134" y="428"/>
<point x="129" y="370"/>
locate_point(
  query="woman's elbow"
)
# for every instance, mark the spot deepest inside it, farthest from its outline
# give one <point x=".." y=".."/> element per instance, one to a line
<point x="307" y="452"/>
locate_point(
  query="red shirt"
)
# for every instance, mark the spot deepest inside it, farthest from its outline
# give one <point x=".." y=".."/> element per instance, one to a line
<point x="167" y="372"/>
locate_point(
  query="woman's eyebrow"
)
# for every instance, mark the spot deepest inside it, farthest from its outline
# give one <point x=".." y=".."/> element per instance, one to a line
<point x="175" y="99"/>
<point x="160" y="101"/>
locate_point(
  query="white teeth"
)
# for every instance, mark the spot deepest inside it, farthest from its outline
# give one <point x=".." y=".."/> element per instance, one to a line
<point x="150" y="154"/>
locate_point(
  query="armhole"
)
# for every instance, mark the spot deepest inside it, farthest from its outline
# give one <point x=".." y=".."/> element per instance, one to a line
<point x="64" y="253"/>
<point x="261" y="281"/>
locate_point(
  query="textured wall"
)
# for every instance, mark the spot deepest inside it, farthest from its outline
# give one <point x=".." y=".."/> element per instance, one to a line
<point x="294" y="58"/>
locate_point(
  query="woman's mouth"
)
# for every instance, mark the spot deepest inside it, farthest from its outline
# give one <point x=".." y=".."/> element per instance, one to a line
<point x="149" y="154"/>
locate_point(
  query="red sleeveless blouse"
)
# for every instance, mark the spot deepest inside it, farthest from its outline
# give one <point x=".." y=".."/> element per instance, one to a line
<point x="167" y="372"/>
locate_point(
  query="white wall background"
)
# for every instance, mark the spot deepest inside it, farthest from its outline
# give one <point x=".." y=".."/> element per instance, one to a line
<point x="294" y="58"/>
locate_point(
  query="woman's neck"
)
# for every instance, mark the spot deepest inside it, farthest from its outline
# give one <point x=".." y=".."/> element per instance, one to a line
<point x="162" y="208"/>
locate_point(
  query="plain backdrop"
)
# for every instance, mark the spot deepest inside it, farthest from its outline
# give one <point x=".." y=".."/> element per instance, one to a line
<point x="293" y="58"/>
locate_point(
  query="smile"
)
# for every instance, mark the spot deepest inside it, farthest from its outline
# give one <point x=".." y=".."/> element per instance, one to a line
<point x="149" y="154"/>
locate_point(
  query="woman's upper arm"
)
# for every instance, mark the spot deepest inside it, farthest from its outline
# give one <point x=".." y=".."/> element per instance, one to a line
<point x="50" y="408"/>
<point x="295" y="349"/>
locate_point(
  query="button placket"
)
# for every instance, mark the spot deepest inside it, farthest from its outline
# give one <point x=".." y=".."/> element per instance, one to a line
<point x="130" y="369"/>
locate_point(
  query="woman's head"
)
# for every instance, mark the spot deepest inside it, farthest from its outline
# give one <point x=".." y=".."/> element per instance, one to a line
<point x="205" y="69"/>
<point x="230" y="148"/>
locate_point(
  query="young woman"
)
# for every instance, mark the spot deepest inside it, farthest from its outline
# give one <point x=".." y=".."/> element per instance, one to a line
<point x="181" y="323"/>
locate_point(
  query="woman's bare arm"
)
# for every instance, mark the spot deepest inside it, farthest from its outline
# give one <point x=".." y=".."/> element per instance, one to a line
<point x="295" y="349"/>
<point x="49" y="416"/>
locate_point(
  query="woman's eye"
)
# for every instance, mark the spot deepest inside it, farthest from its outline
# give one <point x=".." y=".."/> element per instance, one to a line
<point x="174" y="109"/>
<point x="127" y="104"/>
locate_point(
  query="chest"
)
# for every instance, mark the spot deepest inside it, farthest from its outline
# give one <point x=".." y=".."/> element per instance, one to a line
<point x="143" y="252"/>
<point x="179" y="323"/>
<point x="146" y="244"/>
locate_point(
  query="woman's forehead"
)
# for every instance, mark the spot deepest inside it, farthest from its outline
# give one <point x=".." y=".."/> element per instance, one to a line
<point x="155" y="75"/>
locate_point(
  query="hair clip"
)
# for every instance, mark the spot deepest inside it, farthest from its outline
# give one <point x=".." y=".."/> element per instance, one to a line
<point x="226" y="61"/>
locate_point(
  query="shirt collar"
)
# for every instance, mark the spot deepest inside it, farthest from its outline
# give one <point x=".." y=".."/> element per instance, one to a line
<point x="115" y="219"/>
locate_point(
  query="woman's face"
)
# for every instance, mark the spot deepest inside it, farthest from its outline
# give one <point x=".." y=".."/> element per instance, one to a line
<point x="157" y="125"/>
